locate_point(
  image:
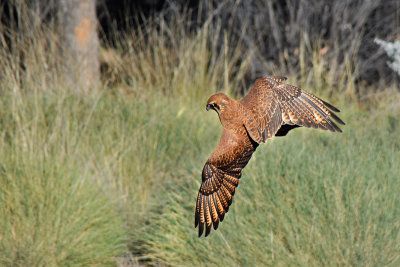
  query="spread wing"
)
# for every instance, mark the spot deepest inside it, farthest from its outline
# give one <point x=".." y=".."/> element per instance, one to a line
<point x="220" y="177"/>
<point x="279" y="107"/>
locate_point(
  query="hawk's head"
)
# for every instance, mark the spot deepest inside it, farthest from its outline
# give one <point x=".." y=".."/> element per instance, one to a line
<point x="218" y="102"/>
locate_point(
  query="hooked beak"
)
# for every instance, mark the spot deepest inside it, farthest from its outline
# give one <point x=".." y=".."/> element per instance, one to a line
<point x="208" y="107"/>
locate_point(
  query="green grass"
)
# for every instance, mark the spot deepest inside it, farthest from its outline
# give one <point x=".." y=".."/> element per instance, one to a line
<point x="52" y="212"/>
<point x="309" y="199"/>
<point x="83" y="177"/>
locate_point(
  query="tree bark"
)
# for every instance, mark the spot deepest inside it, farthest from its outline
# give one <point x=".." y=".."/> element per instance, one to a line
<point x="78" y="24"/>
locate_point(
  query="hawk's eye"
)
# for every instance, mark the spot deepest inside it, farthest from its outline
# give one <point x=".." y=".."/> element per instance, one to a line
<point x="216" y="107"/>
<point x="213" y="106"/>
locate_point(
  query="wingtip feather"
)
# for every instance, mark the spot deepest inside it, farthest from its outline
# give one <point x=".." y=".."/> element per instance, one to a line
<point x="201" y="228"/>
<point x="208" y="230"/>
<point x="196" y="220"/>
<point x="197" y="211"/>
<point x="336" y="118"/>
<point x="215" y="224"/>
<point x="331" y="107"/>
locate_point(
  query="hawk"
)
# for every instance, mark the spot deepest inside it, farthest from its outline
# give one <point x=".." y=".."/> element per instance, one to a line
<point x="271" y="108"/>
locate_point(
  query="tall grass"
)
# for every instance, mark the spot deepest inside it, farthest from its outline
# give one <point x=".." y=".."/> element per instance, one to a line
<point x="111" y="177"/>
<point x="169" y="56"/>
<point x="310" y="199"/>
<point x="53" y="212"/>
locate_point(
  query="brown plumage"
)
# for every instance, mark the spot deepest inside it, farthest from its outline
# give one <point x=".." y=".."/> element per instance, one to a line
<point x="271" y="108"/>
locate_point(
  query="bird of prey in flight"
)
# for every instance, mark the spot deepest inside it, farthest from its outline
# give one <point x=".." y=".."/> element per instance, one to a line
<point x="271" y="108"/>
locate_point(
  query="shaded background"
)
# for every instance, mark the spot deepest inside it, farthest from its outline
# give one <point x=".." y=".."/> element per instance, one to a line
<point x="273" y="31"/>
<point x="276" y="29"/>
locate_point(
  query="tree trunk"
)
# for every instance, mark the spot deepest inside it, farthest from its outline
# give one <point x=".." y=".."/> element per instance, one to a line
<point x="78" y="24"/>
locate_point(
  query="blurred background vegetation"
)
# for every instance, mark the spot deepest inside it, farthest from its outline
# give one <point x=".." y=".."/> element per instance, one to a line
<point x="107" y="172"/>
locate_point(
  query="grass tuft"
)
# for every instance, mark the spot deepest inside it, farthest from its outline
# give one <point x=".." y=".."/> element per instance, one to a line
<point x="53" y="212"/>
